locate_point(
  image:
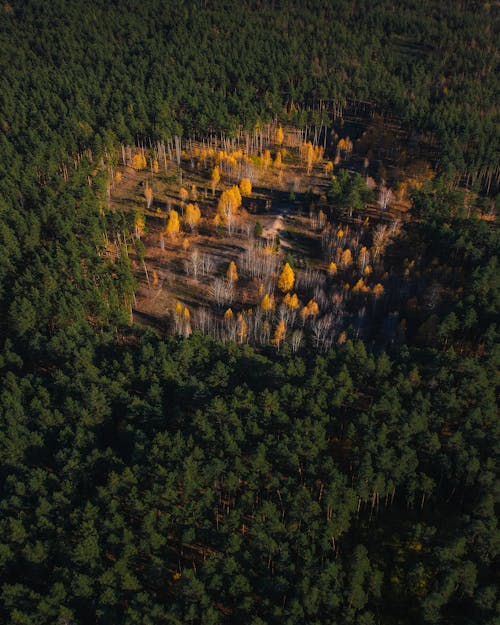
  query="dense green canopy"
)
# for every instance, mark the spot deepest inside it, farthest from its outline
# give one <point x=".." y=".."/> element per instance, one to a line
<point x="152" y="480"/>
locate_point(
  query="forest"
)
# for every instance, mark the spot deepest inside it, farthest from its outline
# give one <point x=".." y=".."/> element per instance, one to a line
<point x="249" y="297"/>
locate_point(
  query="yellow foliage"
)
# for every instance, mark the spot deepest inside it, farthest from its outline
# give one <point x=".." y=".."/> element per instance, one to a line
<point x="228" y="315"/>
<point x="192" y="215"/>
<point x="342" y="338"/>
<point x="215" y="177"/>
<point x="279" y="135"/>
<point x="286" y="279"/>
<point x="242" y="329"/>
<point x="310" y="310"/>
<point x="118" y="177"/>
<point x="139" y="161"/>
<point x="346" y="258"/>
<point x="229" y="201"/>
<point x="360" y="287"/>
<point x="278" y="161"/>
<point x="332" y="268"/>
<point x="232" y="272"/>
<point x="184" y="194"/>
<point x="313" y="307"/>
<point x="156" y="167"/>
<point x="194" y="192"/>
<point x="378" y="290"/>
<point x="140" y="224"/>
<point x="173" y="223"/>
<point x="328" y="167"/>
<point x="266" y="159"/>
<point x="178" y="309"/>
<point x="245" y="186"/>
<point x="293" y="301"/>
<point x="368" y="270"/>
<point x="279" y="333"/>
<point x="267" y="303"/>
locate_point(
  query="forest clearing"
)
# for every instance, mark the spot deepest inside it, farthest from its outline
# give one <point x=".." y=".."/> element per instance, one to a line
<point x="284" y="214"/>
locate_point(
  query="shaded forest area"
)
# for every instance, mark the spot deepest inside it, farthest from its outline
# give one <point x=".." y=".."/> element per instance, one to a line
<point x="150" y="479"/>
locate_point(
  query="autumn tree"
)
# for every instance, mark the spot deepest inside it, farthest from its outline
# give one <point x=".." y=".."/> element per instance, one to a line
<point x="192" y="215"/>
<point x="279" y="333"/>
<point x="173" y="225"/>
<point x="286" y="279"/>
<point x="245" y="186"/>
<point x="332" y="269"/>
<point x="139" y="225"/>
<point x="346" y="259"/>
<point x="242" y="329"/>
<point x="139" y="161"/>
<point x="280" y="135"/>
<point x="215" y="178"/>
<point x="232" y="272"/>
<point x="267" y="303"/>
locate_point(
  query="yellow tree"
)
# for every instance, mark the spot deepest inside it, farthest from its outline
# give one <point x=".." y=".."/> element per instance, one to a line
<point x="286" y="279"/>
<point x="266" y="159"/>
<point x="267" y="303"/>
<point x="346" y="259"/>
<point x="215" y="178"/>
<point x="291" y="300"/>
<point x="245" y="186"/>
<point x="378" y="290"/>
<point x="118" y="177"/>
<point x="140" y="225"/>
<point x="278" y="162"/>
<point x="192" y="215"/>
<point x="242" y="332"/>
<point x="279" y="333"/>
<point x="184" y="194"/>
<point x="232" y="272"/>
<point x="139" y="161"/>
<point x="173" y="223"/>
<point x="228" y="315"/>
<point x="280" y="135"/>
<point x="332" y="268"/>
<point x="155" y="166"/>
